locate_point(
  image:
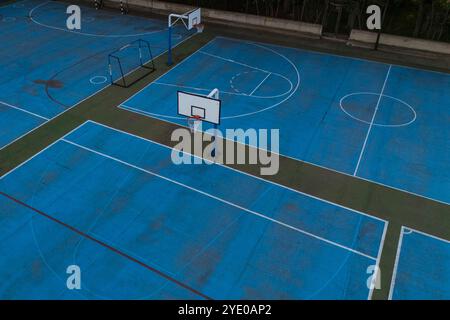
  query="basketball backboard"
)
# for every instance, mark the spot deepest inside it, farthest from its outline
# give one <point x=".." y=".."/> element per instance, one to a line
<point x="206" y="108"/>
<point x="194" y="18"/>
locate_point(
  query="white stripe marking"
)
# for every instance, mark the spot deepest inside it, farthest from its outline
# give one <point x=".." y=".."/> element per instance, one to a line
<point x="221" y="200"/>
<point x="397" y="258"/>
<point x="243" y="172"/>
<point x="23" y="110"/>
<point x="380" y="251"/>
<point x="233" y="61"/>
<point x="371" y="122"/>
<point x="259" y="85"/>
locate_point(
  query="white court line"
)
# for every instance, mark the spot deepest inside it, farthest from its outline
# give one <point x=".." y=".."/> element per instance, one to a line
<point x="221" y="91"/>
<point x="242" y="172"/>
<point x="371" y="122"/>
<point x="280" y="154"/>
<point x="35" y="155"/>
<point x="259" y="85"/>
<point x="150" y="114"/>
<point x="160" y="118"/>
<point x="199" y="89"/>
<point x="405" y="231"/>
<point x="294" y="90"/>
<point x="378" y="124"/>
<point x="380" y="250"/>
<point x="427" y="235"/>
<point x="169" y="70"/>
<point x="334" y="55"/>
<point x="397" y="258"/>
<point x="93" y="94"/>
<point x="233" y="61"/>
<point x="23" y="110"/>
<point x="30" y="16"/>
<point x="328" y="168"/>
<point x="221" y="200"/>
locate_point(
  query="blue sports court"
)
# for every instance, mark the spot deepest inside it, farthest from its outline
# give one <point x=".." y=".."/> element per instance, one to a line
<point x="141" y="227"/>
<point x="354" y="116"/>
<point x="48" y="69"/>
<point x="421" y="267"/>
<point x="100" y="190"/>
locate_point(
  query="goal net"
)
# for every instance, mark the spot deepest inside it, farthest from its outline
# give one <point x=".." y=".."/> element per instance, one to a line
<point x="130" y="63"/>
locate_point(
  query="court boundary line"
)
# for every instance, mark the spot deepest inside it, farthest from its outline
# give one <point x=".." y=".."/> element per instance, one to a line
<point x="288" y="93"/>
<point x="105" y="245"/>
<point x="40" y="152"/>
<point x="299" y="160"/>
<point x="199" y="89"/>
<point x="63" y="138"/>
<point x="234" y="61"/>
<point x="337" y="55"/>
<point x="239" y="94"/>
<point x="363" y="148"/>
<point x="24" y="110"/>
<point x="381" y="244"/>
<point x="167" y="71"/>
<point x="399" y="247"/>
<point x="241" y="172"/>
<point x="386" y="222"/>
<point x="427" y="234"/>
<point x="214" y="197"/>
<point x="30" y="16"/>
<point x="280" y="154"/>
<point x="397" y="259"/>
<point x="380" y="251"/>
<point x="91" y="95"/>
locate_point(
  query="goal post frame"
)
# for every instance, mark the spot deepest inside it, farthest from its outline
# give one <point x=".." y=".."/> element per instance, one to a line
<point x="149" y="64"/>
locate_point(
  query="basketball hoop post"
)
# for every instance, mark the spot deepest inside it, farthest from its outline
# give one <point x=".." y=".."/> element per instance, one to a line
<point x="190" y="20"/>
<point x="169" y="51"/>
<point x="214" y="94"/>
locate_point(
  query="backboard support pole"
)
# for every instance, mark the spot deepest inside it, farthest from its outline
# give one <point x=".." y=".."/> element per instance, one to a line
<point x="214" y="94"/>
<point x="190" y="20"/>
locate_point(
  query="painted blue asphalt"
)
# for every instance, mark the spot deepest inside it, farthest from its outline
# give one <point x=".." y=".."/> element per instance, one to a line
<point x="323" y="105"/>
<point x="422" y="266"/>
<point x="220" y="232"/>
<point x="14" y="123"/>
<point x="47" y="69"/>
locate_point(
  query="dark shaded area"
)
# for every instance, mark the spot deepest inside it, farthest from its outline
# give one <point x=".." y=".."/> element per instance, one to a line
<point x="428" y="19"/>
<point x="54" y="84"/>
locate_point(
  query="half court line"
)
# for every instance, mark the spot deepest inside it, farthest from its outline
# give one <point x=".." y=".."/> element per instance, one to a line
<point x="371" y="122"/>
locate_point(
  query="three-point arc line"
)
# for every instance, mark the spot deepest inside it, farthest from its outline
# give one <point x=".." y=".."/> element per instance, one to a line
<point x="107" y="246"/>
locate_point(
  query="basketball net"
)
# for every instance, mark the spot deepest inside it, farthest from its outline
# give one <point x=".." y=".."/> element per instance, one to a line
<point x="194" y="123"/>
<point x="199" y="27"/>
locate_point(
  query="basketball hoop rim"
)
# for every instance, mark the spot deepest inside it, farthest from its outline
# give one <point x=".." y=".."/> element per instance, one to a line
<point x="195" y="118"/>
